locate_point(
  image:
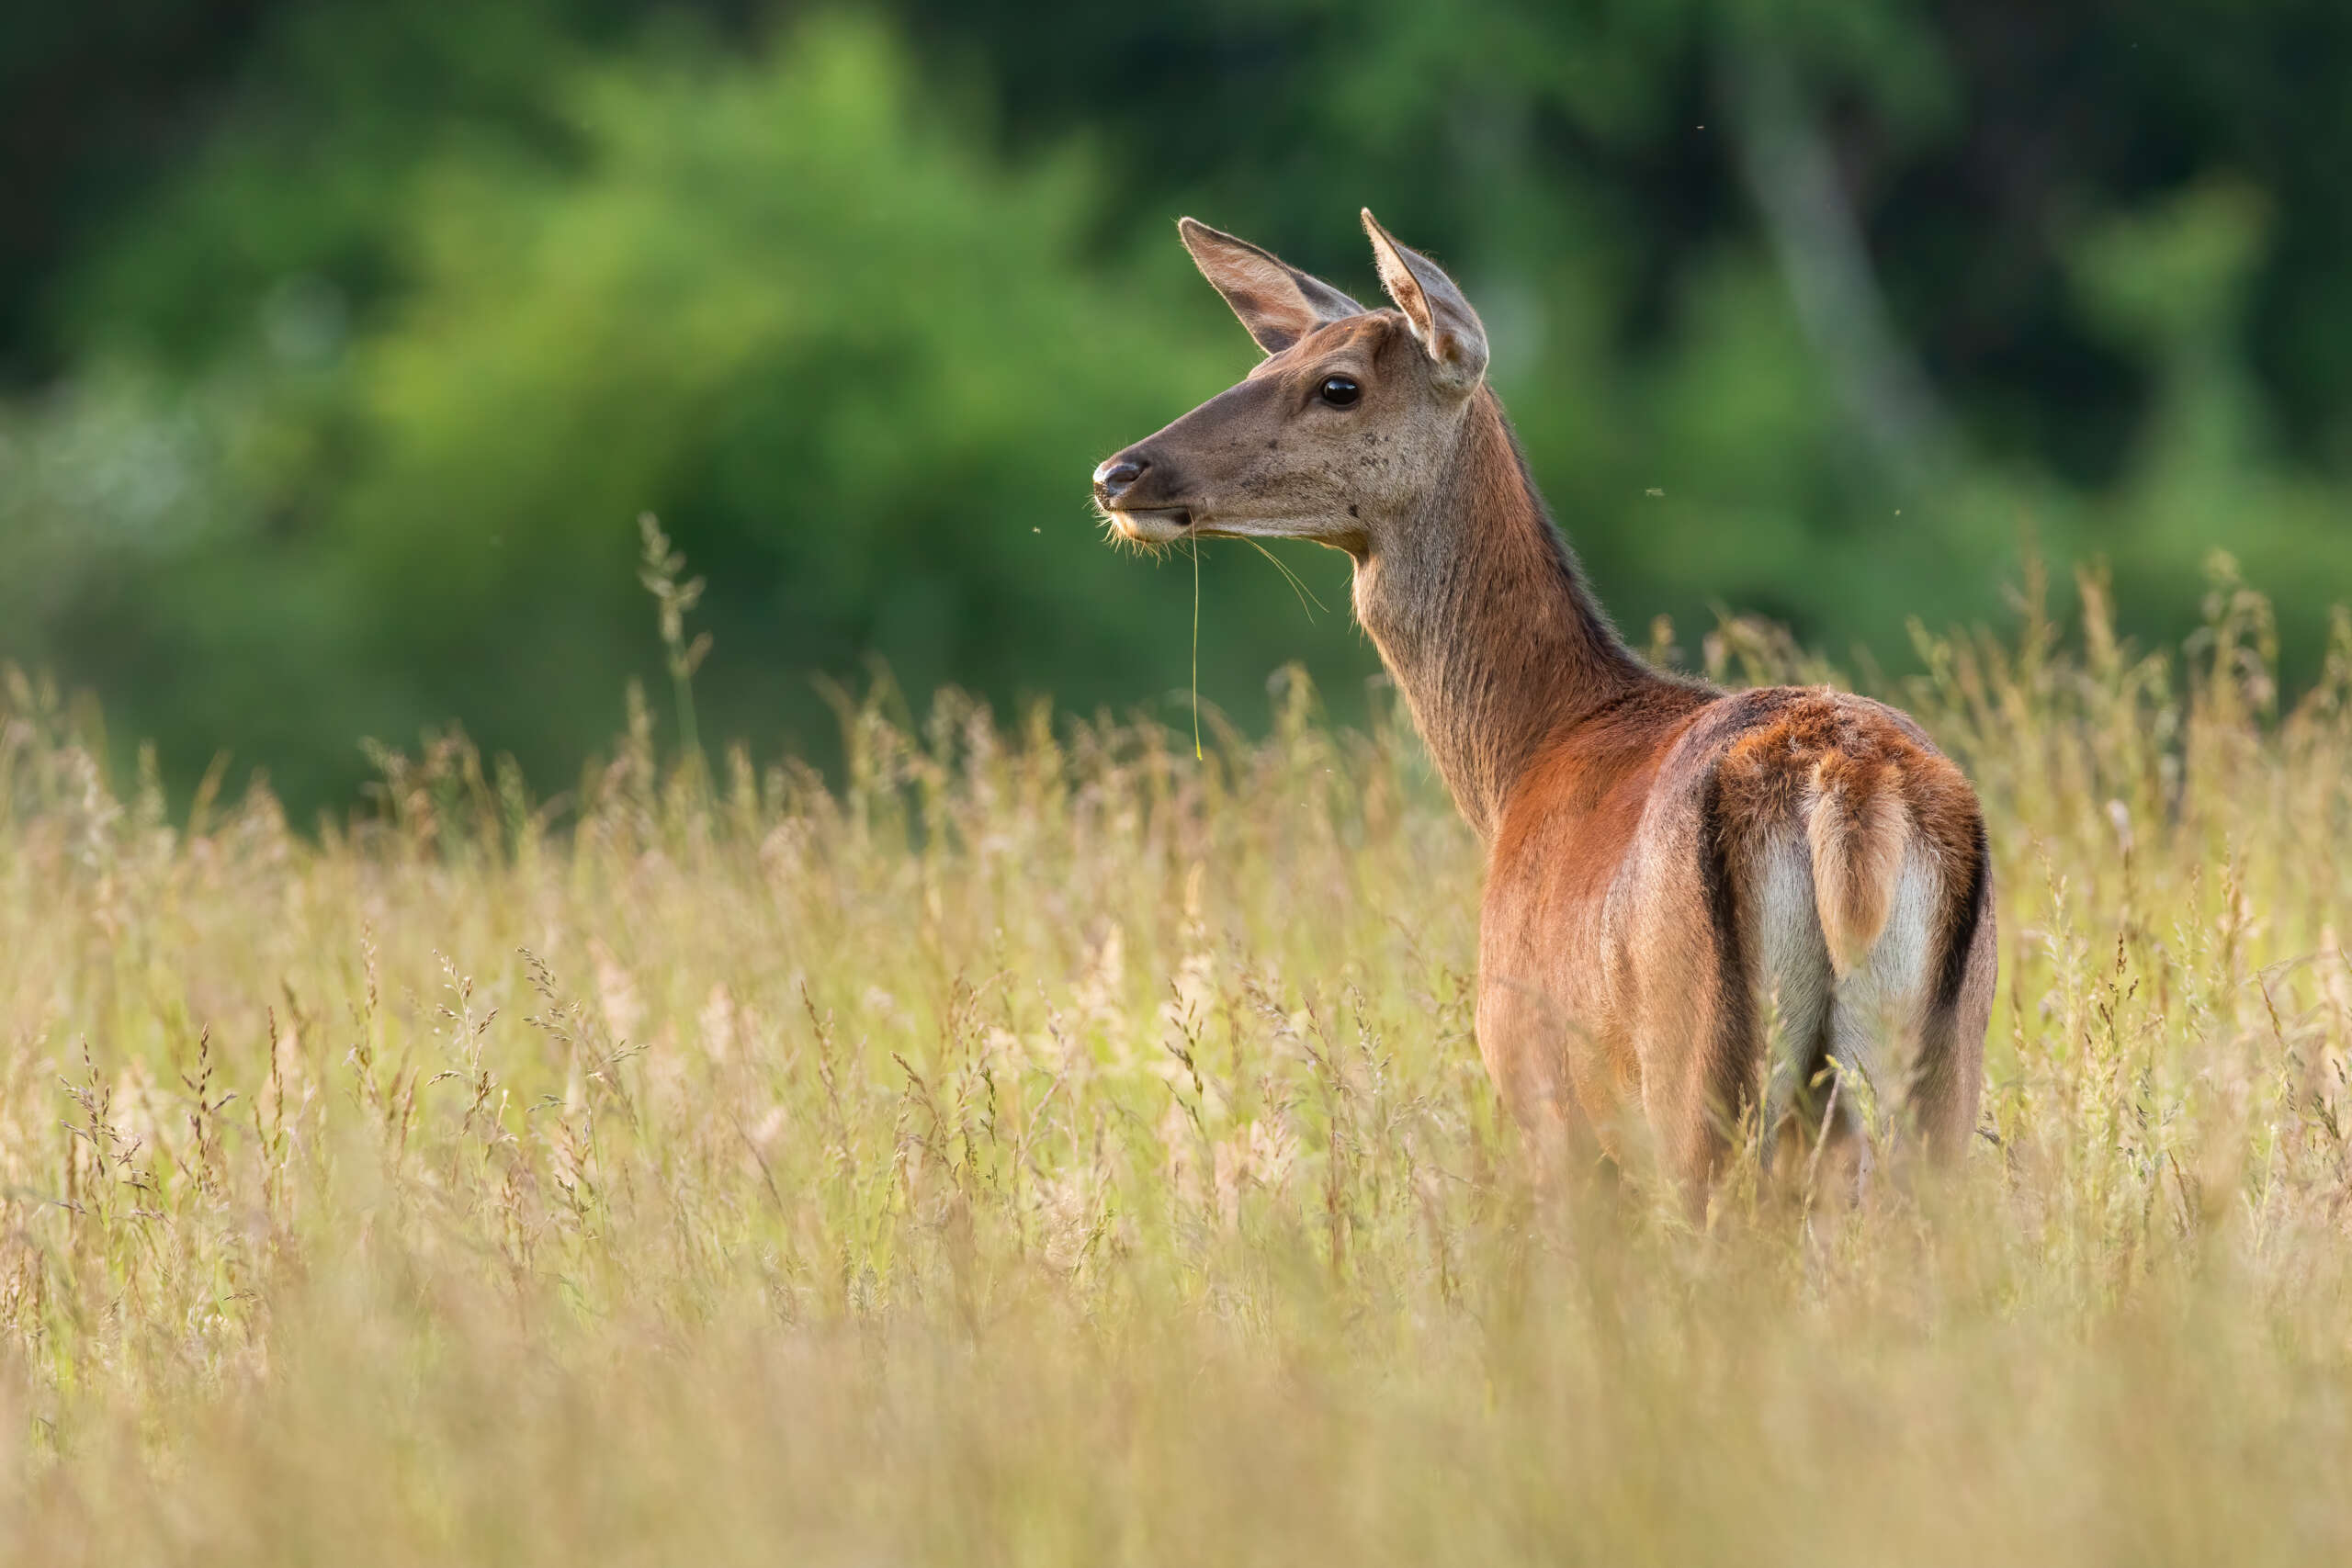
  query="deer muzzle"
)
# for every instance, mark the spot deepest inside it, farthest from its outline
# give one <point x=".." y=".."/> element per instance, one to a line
<point x="1133" y="491"/>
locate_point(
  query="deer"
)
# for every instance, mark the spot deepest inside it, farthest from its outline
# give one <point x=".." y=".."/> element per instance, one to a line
<point x="1714" y="921"/>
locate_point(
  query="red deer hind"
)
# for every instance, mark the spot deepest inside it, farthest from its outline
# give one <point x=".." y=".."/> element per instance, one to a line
<point x="1681" y="881"/>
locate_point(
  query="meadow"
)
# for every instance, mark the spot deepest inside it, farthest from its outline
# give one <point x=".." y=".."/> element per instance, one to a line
<point x="1037" y="1144"/>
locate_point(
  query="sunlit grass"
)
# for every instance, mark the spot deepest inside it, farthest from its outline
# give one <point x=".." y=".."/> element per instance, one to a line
<point x="1041" y="1147"/>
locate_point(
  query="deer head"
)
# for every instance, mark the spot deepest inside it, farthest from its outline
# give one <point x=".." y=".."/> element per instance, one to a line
<point x="1340" y="433"/>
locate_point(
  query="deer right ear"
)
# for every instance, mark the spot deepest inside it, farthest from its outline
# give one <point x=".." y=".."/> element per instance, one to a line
<point x="1442" y="321"/>
<point x="1277" y="302"/>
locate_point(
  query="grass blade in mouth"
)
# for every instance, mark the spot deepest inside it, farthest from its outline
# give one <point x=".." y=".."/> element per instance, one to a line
<point x="1195" y="540"/>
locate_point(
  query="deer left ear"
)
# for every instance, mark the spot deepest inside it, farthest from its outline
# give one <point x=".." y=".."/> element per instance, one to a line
<point x="1441" y="320"/>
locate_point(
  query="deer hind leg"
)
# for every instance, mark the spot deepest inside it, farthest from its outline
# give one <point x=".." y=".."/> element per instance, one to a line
<point x="1761" y="1016"/>
<point x="1947" y="1073"/>
<point x="1793" y="993"/>
<point x="1881" y="1007"/>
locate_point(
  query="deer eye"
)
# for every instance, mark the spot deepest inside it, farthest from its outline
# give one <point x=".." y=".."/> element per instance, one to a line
<point x="1339" y="391"/>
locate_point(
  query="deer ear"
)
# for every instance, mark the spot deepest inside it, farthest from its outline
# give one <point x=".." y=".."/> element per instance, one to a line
<point x="1441" y="318"/>
<point x="1278" y="303"/>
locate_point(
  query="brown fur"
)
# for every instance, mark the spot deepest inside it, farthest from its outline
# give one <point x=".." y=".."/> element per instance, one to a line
<point x="1637" y="824"/>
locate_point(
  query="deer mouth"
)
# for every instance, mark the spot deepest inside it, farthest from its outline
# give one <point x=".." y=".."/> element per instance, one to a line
<point x="1151" y="524"/>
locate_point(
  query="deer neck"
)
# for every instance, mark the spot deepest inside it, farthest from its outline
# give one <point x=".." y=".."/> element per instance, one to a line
<point x="1480" y="613"/>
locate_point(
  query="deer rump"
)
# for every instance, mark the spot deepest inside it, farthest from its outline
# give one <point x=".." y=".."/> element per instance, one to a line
<point x="1795" y="938"/>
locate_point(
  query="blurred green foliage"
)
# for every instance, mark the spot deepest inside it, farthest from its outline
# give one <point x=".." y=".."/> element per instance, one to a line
<point x="347" y="341"/>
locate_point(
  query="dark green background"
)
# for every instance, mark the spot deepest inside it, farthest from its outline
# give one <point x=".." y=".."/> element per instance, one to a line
<point x="341" y="343"/>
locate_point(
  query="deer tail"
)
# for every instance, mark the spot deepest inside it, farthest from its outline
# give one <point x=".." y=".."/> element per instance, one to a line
<point x="1856" y="825"/>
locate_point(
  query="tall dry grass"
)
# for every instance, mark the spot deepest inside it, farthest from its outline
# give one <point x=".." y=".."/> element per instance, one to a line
<point x="1044" y="1148"/>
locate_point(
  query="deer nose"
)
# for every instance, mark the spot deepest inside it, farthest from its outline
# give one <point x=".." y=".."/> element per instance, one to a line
<point x="1116" y="475"/>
